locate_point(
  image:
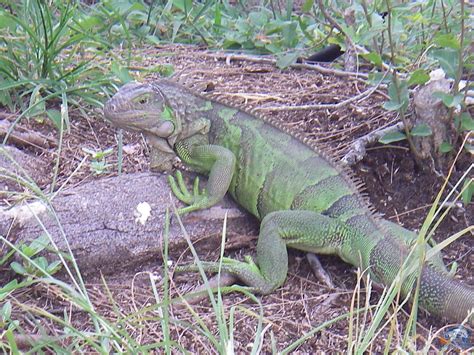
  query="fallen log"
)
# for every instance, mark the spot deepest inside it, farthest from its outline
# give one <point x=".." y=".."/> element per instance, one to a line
<point x="16" y="166"/>
<point x="100" y="223"/>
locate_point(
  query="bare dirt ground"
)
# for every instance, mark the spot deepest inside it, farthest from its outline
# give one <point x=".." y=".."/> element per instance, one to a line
<point x="395" y="186"/>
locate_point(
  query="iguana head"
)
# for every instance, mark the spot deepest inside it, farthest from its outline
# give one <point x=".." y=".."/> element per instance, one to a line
<point x="144" y="108"/>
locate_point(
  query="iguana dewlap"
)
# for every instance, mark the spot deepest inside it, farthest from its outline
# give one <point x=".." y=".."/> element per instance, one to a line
<point x="303" y="198"/>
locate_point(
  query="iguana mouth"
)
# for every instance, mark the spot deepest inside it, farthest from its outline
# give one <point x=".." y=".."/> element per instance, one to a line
<point x="138" y="120"/>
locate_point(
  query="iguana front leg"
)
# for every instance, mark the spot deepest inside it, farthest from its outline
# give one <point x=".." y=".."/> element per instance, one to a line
<point x="305" y="230"/>
<point x="216" y="161"/>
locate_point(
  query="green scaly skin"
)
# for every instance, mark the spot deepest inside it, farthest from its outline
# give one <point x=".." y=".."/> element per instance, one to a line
<point x="304" y="200"/>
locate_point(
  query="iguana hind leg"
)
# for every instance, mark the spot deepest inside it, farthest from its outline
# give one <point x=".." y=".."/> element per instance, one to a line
<point x="305" y="230"/>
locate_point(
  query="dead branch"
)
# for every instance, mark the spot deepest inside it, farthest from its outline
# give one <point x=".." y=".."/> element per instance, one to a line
<point x="25" y="137"/>
<point x="362" y="95"/>
<point x="358" y="147"/>
<point x="228" y="57"/>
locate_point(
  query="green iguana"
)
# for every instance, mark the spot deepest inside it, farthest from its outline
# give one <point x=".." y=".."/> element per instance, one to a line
<point x="303" y="198"/>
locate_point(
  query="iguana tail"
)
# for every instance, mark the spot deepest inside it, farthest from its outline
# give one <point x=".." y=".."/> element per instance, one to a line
<point x="445" y="296"/>
<point x="439" y="293"/>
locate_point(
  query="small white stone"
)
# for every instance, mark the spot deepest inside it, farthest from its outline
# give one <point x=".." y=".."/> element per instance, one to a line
<point x="131" y="148"/>
<point x="155" y="276"/>
<point x="142" y="212"/>
<point x="437" y="74"/>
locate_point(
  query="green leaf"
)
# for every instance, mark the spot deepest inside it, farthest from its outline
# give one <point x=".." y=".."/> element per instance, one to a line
<point x="8" y="288"/>
<point x="121" y="6"/>
<point x="54" y="267"/>
<point x="445" y="147"/>
<point x="42" y="263"/>
<point x="39" y="244"/>
<point x="290" y="34"/>
<point x="447" y="40"/>
<point x="11" y="341"/>
<point x="418" y="77"/>
<point x="307" y="5"/>
<point x="88" y="22"/>
<point x="154" y="40"/>
<point x="27" y="250"/>
<point x="373" y="57"/>
<point x="121" y="72"/>
<point x="99" y="167"/>
<point x="7" y="22"/>
<point x="258" y="18"/>
<point x="392" y="105"/>
<point x="448" y="99"/>
<point x="286" y="60"/>
<point x="37" y="104"/>
<point x="55" y="117"/>
<point x="467" y="191"/>
<point x="103" y="153"/>
<point x="392" y="137"/>
<point x="183" y="5"/>
<point x="18" y="268"/>
<point x="6" y="311"/>
<point x="376" y="78"/>
<point x="398" y="98"/>
<point x="217" y="15"/>
<point x="448" y="60"/>
<point x="467" y="123"/>
<point x="421" y="130"/>
<point x="89" y="151"/>
<point x="97" y="155"/>
<point x="468" y="62"/>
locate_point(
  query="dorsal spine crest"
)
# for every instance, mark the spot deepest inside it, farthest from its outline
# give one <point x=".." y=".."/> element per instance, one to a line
<point x="220" y="98"/>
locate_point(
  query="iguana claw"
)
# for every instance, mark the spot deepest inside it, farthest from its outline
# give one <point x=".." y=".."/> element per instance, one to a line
<point x="179" y="189"/>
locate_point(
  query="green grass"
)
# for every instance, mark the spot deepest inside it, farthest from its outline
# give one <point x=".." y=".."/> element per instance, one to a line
<point x="46" y="58"/>
<point x="116" y="331"/>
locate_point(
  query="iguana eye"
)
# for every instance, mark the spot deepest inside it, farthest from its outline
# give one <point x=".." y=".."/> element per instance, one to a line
<point x="143" y="100"/>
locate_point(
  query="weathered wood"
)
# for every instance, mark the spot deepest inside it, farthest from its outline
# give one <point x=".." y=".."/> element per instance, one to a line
<point x="17" y="166"/>
<point x="99" y="222"/>
<point x="431" y="111"/>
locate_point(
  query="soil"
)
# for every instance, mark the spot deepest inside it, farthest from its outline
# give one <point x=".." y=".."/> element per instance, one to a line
<point x="396" y="187"/>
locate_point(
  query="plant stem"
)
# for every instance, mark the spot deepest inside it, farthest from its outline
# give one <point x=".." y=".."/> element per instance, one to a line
<point x="418" y="157"/>
<point x="457" y="79"/>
